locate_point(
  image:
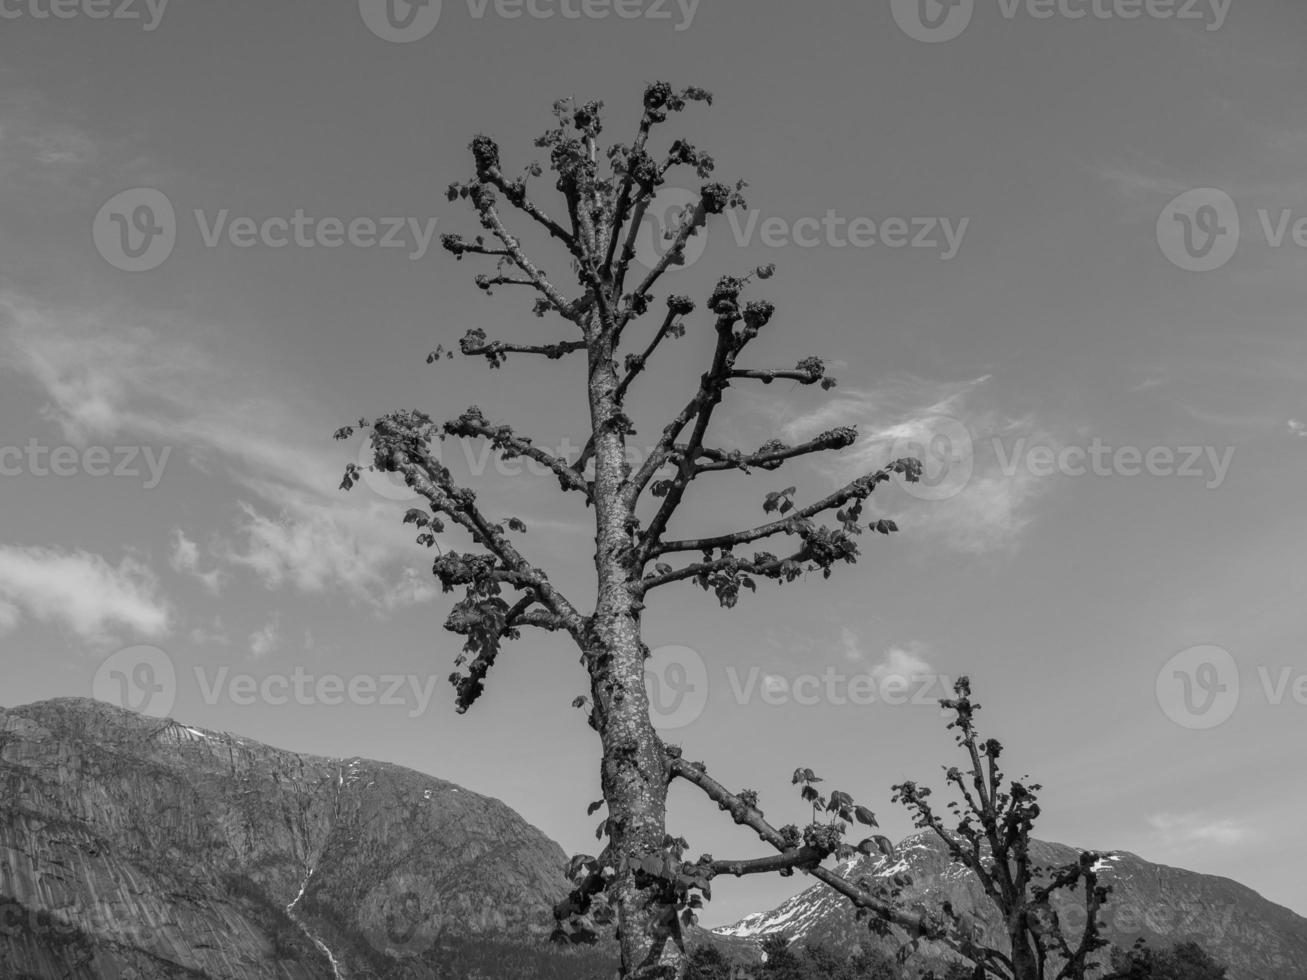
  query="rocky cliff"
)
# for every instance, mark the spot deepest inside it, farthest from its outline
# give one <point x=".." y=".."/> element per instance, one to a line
<point x="1256" y="939"/>
<point x="137" y="848"/>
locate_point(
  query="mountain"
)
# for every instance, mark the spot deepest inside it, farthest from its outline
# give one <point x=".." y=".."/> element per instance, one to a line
<point x="1255" y="938"/>
<point x="133" y="847"/>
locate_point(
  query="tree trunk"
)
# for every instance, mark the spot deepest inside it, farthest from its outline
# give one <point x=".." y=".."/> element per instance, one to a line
<point x="634" y="777"/>
<point x="1025" y="965"/>
<point x="634" y="767"/>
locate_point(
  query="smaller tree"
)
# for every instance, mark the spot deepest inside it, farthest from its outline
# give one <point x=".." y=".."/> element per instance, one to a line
<point x="779" y="961"/>
<point x="1186" y="961"/>
<point x="991" y="833"/>
<point x="709" y="963"/>
<point x="872" y="963"/>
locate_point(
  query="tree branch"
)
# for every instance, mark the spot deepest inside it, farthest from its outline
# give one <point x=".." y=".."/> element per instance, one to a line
<point x="472" y="423"/>
<point x="859" y="489"/>
<point x="474" y="344"/>
<point x="515" y="191"/>
<point x="485" y="205"/>
<point x="805" y="858"/>
<point x="919" y="924"/>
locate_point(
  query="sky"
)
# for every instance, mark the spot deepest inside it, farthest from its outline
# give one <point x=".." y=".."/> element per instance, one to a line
<point x="1055" y="249"/>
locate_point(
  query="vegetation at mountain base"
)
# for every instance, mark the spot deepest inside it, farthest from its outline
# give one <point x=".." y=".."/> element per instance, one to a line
<point x="813" y="961"/>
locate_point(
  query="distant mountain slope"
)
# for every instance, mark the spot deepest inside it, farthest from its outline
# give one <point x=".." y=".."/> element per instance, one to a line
<point x="1255" y="938"/>
<point x="132" y="847"/>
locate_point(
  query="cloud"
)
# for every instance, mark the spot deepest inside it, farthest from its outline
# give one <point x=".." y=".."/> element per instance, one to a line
<point x="775" y="684"/>
<point x="901" y="664"/>
<point x="214" y="635"/>
<point x="1177" y="830"/>
<point x="1132" y="183"/>
<point x="317" y="548"/>
<point x="108" y="373"/>
<point x="185" y="558"/>
<point x="412" y="589"/>
<point x="1298" y="429"/>
<point x="849" y="642"/>
<point x="82" y="592"/>
<point x="983" y="506"/>
<point x="50" y="160"/>
<point x="264" y="641"/>
<point x="9" y="616"/>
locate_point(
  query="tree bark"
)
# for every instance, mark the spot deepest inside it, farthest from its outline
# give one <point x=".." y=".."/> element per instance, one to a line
<point x="1025" y="966"/>
<point x="634" y="767"/>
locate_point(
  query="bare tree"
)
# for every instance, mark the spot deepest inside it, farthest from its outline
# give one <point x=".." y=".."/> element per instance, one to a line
<point x="990" y="835"/>
<point x="603" y="194"/>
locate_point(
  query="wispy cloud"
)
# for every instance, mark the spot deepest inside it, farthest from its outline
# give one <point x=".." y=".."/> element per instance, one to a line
<point x="185" y="558"/>
<point x="212" y="635"/>
<point x="9" y="616"/>
<point x="81" y="592"/>
<point x="851" y="645"/>
<point x="51" y="158"/>
<point x="991" y="507"/>
<point x="1184" y="829"/>
<point x="267" y="639"/>
<point x="898" y="662"/>
<point x="901" y="664"/>
<point x="106" y="374"/>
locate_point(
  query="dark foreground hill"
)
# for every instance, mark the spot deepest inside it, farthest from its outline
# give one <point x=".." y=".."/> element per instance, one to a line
<point x="1255" y="938"/>
<point x="133" y="847"/>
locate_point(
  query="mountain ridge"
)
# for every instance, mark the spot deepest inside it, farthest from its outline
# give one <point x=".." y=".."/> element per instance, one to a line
<point x="143" y="848"/>
<point x="1256" y="938"/>
<point x="130" y="843"/>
